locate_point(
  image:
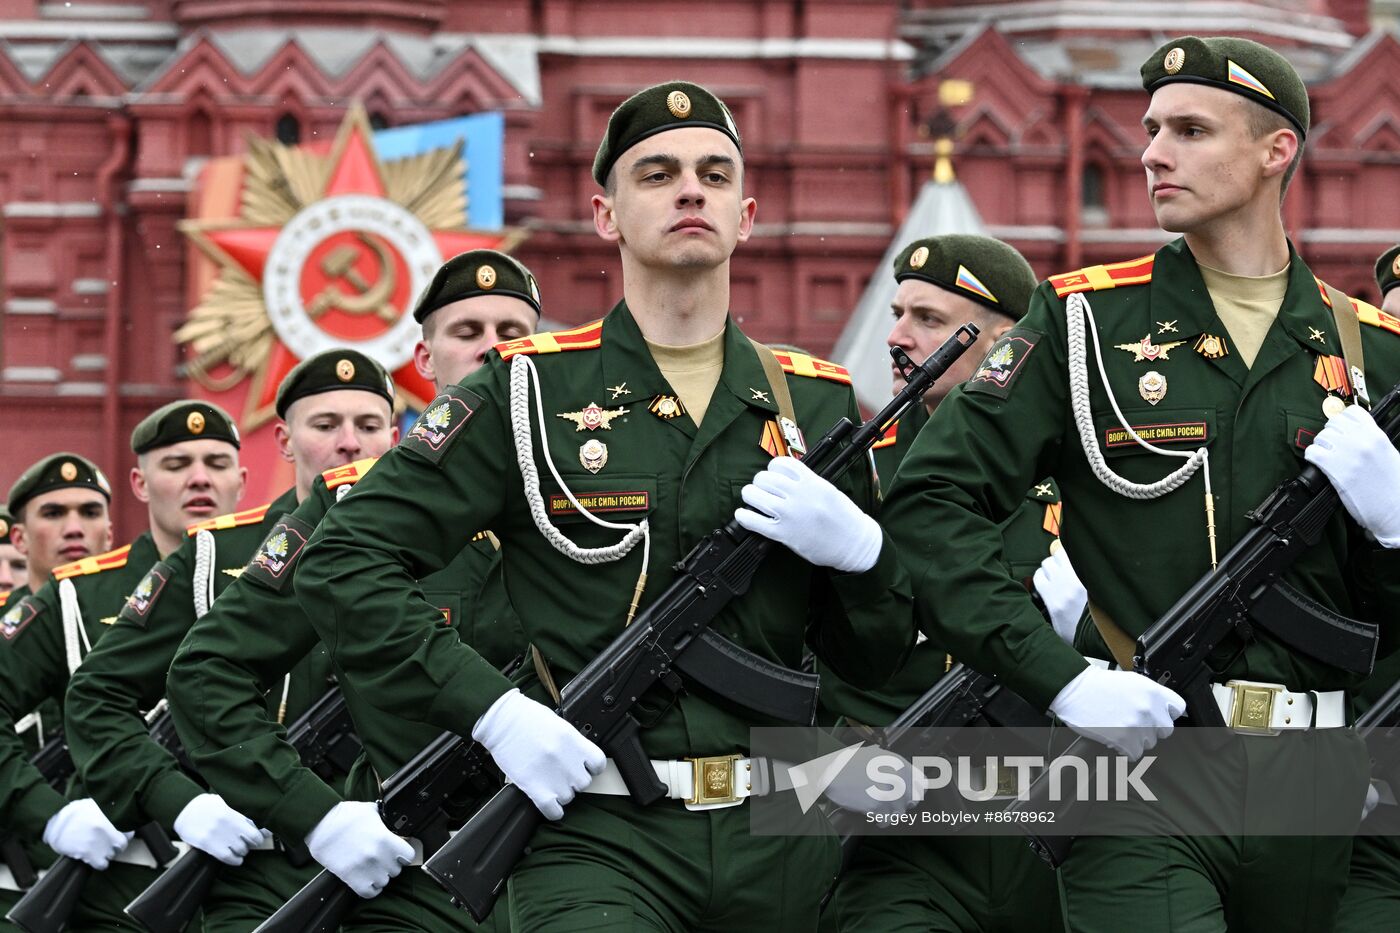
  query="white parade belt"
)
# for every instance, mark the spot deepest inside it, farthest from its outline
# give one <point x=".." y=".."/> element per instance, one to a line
<point x="1255" y="708"/>
<point x="704" y="783"/>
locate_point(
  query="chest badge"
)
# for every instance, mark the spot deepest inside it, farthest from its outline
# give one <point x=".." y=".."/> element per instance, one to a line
<point x="618" y="390"/>
<point x="666" y="407"/>
<point x="1166" y="327"/>
<point x="593" y="455"/>
<point x="1212" y="347"/>
<point x="1315" y="334"/>
<point x="1332" y="406"/>
<point x="1152" y="387"/>
<point x="1146" y="350"/>
<point x="592" y="417"/>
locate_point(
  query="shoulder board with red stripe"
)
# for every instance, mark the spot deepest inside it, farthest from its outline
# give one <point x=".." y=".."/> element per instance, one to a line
<point x="1098" y="278"/>
<point x="585" y="337"/>
<point x="800" y="364"/>
<point x="81" y="568"/>
<point x="231" y="520"/>
<point x="348" y="474"/>
<point x="888" y="438"/>
<point x="1365" y="313"/>
<point x="4" y="598"/>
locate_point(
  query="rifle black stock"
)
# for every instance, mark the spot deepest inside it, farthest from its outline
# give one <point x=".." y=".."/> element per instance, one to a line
<point x="1243" y="591"/>
<point x="474" y="865"/>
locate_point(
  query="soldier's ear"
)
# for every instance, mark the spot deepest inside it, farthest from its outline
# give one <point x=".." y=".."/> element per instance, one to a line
<point x="605" y="218"/>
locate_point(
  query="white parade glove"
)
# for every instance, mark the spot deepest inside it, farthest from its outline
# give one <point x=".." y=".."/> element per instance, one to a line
<point x="81" y="831"/>
<point x="1364" y="466"/>
<point x="538" y="752"/>
<point x="1064" y="596"/>
<point x="352" y="843"/>
<point x="818" y="522"/>
<point x="1123" y="710"/>
<point x="213" y="827"/>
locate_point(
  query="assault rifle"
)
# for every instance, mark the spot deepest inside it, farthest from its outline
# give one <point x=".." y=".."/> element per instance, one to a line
<point x="669" y="638"/>
<point x="56" y="767"/>
<point x="1245" y="590"/>
<point x="46" y="907"/>
<point x="325" y="738"/>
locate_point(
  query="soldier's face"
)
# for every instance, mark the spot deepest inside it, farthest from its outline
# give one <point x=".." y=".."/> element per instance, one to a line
<point x="188" y="482"/>
<point x="457" y="336"/>
<point x="1203" y="163"/>
<point x="677" y="201"/>
<point x="1391" y="304"/>
<point x="14" y="568"/>
<point x="925" y="316"/>
<point x="61" y="526"/>
<point x="332" y="429"/>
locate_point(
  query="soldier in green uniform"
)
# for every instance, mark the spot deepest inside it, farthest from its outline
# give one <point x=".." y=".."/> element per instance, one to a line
<point x="257" y="630"/>
<point x="955" y="883"/>
<point x="336" y="407"/>
<point x="1223" y="342"/>
<point x="1372" y="900"/>
<point x="14" y="567"/>
<point x="187" y="469"/>
<point x="60" y="509"/>
<point x="662" y="412"/>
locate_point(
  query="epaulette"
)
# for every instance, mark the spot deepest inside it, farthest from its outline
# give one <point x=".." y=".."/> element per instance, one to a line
<point x="584" y="337"/>
<point x="348" y="474"/>
<point x="800" y="364"/>
<point x="231" y="520"/>
<point x="4" y="598"/>
<point x="1365" y="313"/>
<point x="888" y="438"/>
<point x="1097" y="278"/>
<point x="81" y="568"/>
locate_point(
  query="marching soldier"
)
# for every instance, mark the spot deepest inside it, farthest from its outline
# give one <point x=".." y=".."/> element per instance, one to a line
<point x="654" y="419"/>
<point x="257" y="630"/>
<point x="956" y="882"/>
<point x="60" y="509"/>
<point x="336" y="407"/>
<point x="14" y="568"/>
<point x="187" y="469"/>
<point x="1224" y="349"/>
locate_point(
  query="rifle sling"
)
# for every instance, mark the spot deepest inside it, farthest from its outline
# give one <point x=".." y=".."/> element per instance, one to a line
<point x="1120" y="644"/>
<point x="777" y="380"/>
<point x="1349" y="336"/>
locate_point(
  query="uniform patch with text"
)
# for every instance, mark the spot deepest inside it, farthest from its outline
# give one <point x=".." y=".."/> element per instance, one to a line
<point x="143" y="599"/>
<point x="1178" y="432"/>
<point x="272" y="564"/>
<point x="1004" y="362"/>
<point x="442" y="421"/>
<point x="625" y="501"/>
<point x="17" y="617"/>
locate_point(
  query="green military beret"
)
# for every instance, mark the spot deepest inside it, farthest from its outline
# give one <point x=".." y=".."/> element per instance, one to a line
<point x="57" y="471"/>
<point x="475" y="273"/>
<point x="670" y="106"/>
<point x="332" y="371"/>
<point x="1388" y="269"/>
<point x="977" y="267"/>
<point x="7" y="521"/>
<point x="185" y="420"/>
<point x="1253" y="71"/>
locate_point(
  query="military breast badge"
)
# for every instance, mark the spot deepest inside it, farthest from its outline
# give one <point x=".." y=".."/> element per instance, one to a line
<point x="1146" y="350"/>
<point x="592" y="417"/>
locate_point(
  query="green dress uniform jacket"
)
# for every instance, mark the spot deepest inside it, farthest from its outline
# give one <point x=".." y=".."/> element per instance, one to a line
<point x="455" y="472"/>
<point x="890" y="449"/>
<point x="257" y="631"/>
<point x="34" y="667"/>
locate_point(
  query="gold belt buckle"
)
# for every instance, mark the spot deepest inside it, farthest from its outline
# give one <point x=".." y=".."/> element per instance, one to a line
<point x="713" y="780"/>
<point x="1252" y="712"/>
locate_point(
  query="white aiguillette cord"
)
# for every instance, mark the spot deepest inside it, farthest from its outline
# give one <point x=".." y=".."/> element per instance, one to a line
<point x="1076" y="311"/>
<point x="522" y="374"/>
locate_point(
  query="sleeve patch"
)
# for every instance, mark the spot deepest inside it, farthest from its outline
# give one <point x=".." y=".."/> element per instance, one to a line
<point x="1004" y="363"/>
<point x="274" y="561"/>
<point x="442" y="422"/>
<point x="17" y="618"/>
<point x="143" y="599"/>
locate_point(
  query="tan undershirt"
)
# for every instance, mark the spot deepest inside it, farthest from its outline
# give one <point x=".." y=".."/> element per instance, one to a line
<point x="692" y="371"/>
<point x="1247" y="304"/>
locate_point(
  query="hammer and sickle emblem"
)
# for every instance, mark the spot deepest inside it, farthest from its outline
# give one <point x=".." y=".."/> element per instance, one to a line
<point x="339" y="263"/>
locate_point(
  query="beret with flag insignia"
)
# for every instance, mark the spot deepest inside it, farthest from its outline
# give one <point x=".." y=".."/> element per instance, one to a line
<point x="671" y="106"/>
<point x="185" y="420"/>
<point x="986" y="270"/>
<point x="476" y="273"/>
<point x="57" y="471"/>
<point x="1388" y="269"/>
<point x="332" y="371"/>
<point x="7" y="521"/>
<point x="1255" y="72"/>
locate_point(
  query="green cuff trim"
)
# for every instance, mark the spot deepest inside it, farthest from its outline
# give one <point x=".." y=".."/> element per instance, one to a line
<point x="886" y="576"/>
<point x="466" y="697"/>
<point x="301" y="806"/>
<point x="167" y="795"/>
<point x="1047" y="665"/>
<point x="33" y="811"/>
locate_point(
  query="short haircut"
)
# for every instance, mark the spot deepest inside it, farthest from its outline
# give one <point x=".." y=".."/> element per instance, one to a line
<point x="1261" y="122"/>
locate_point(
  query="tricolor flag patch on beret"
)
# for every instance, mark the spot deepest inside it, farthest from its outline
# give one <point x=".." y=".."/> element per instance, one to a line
<point x="973" y="284"/>
<point x="1238" y="75"/>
